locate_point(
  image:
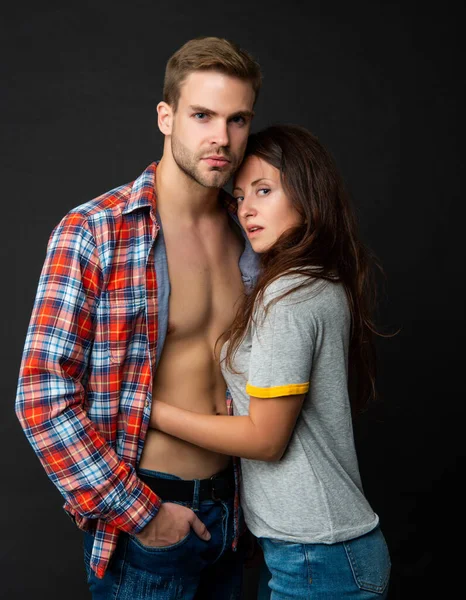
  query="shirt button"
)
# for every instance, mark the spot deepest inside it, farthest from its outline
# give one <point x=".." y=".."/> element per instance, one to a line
<point x="147" y="403"/>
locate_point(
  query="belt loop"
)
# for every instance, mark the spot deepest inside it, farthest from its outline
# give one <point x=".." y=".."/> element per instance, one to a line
<point x="197" y="486"/>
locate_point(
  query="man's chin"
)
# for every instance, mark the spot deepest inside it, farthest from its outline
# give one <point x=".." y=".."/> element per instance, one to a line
<point x="215" y="180"/>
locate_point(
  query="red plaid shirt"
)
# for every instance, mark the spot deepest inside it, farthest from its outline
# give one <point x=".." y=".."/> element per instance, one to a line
<point x="85" y="387"/>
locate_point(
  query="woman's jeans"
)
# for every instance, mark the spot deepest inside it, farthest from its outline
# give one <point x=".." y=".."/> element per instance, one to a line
<point x="190" y="569"/>
<point x="358" y="569"/>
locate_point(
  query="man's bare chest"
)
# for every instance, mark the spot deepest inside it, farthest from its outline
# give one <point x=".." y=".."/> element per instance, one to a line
<point x="205" y="282"/>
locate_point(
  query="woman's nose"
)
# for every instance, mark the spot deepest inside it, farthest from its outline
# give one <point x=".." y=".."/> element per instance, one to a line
<point x="247" y="208"/>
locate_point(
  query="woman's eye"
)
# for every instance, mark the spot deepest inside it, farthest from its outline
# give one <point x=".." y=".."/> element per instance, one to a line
<point x="239" y="198"/>
<point x="263" y="191"/>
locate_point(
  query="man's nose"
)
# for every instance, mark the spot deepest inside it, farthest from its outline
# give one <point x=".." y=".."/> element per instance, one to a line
<point x="220" y="134"/>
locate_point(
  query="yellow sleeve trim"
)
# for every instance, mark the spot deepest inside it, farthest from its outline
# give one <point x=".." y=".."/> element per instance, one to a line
<point x="279" y="390"/>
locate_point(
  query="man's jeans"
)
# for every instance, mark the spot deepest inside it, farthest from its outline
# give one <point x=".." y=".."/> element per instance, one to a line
<point x="190" y="569"/>
<point x="358" y="569"/>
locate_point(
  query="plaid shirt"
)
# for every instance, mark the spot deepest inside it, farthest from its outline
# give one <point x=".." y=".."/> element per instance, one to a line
<point x="85" y="386"/>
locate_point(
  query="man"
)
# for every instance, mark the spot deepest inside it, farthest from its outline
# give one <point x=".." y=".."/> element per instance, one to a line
<point x="137" y="287"/>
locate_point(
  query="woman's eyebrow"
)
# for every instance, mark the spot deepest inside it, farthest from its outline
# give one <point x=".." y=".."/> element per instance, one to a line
<point x="255" y="182"/>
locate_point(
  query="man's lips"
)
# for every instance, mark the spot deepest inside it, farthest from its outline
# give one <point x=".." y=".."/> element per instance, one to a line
<point x="216" y="161"/>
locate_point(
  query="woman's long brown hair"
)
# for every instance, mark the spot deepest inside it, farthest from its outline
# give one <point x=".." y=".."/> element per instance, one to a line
<point x="326" y="246"/>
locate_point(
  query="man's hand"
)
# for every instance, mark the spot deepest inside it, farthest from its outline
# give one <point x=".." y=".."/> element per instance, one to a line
<point x="171" y="524"/>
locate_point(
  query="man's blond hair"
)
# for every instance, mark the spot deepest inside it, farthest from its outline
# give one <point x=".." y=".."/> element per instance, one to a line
<point x="209" y="54"/>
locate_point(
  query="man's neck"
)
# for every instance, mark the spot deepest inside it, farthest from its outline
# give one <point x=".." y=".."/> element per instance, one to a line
<point x="180" y="197"/>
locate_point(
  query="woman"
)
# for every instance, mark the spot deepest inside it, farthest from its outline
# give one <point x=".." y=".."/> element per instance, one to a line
<point x="299" y="360"/>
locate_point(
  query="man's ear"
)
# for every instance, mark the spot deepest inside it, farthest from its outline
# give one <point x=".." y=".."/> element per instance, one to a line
<point x="165" y="118"/>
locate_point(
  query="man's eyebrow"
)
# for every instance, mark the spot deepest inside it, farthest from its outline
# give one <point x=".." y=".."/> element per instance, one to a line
<point x="201" y="109"/>
<point x="243" y="113"/>
<point x="197" y="108"/>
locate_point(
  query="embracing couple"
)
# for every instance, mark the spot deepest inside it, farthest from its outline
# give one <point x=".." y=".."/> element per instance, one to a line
<point x="194" y="358"/>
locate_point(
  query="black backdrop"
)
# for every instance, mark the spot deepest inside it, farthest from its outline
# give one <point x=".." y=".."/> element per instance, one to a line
<point x="379" y="83"/>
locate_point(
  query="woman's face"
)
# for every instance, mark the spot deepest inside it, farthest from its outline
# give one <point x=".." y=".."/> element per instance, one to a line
<point x="264" y="210"/>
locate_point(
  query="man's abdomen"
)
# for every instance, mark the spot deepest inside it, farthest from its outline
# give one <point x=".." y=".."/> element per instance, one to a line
<point x="189" y="377"/>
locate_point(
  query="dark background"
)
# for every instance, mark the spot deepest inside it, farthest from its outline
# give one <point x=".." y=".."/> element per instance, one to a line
<point x="380" y="84"/>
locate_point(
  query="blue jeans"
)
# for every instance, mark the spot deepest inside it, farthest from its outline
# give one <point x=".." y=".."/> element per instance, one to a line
<point x="190" y="569"/>
<point x="358" y="569"/>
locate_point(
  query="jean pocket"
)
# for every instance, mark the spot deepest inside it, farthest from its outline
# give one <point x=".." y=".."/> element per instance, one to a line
<point x="156" y="549"/>
<point x="370" y="561"/>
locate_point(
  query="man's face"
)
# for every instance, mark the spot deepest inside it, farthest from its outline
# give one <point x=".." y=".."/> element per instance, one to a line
<point x="211" y="125"/>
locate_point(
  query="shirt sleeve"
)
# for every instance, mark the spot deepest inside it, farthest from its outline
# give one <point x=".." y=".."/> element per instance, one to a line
<point x="51" y="396"/>
<point x="282" y="345"/>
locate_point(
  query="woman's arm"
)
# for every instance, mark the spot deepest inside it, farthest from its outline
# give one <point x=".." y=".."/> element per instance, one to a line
<point x="261" y="435"/>
<point x="280" y="363"/>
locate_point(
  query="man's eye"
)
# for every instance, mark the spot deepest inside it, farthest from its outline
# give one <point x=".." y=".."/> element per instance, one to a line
<point x="200" y="116"/>
<point x="238" y="120"/>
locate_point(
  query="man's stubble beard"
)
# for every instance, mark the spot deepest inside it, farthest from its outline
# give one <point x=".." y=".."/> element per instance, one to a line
<point x="189" y="163"/>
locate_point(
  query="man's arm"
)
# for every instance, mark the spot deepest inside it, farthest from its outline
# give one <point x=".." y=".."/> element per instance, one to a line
<point x="49" y="404"/>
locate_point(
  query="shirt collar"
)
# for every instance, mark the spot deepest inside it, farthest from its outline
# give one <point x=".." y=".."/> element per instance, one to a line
<point x="143" y="194"/>
<point x="143" y="191"/>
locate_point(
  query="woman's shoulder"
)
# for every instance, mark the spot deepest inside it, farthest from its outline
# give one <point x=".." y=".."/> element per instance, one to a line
<point x="287" y="283"/>
<point x="292" y="288"/>
<point x="305" y="301"/>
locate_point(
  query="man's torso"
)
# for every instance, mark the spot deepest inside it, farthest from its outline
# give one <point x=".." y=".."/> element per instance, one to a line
<point x="205" y="287"/>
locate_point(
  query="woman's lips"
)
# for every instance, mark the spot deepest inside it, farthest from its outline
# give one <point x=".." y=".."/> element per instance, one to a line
<point x="254" y="231"/>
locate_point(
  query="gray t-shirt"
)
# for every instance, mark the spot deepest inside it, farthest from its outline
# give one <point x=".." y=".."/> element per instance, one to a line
<point x="314" y="493"/>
